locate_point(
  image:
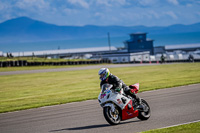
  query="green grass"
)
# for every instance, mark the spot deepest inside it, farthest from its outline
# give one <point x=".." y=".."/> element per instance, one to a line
<point x="26" y="91"/>
<point x="6" y="69"/>
<point x="187" y="128"/>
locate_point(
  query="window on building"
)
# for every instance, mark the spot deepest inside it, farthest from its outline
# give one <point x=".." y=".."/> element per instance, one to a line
<point x="140" y="37"/>
<point x="114" y="60"/>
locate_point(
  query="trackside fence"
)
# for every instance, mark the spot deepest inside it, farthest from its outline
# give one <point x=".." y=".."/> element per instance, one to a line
<point x="21" y="63"/>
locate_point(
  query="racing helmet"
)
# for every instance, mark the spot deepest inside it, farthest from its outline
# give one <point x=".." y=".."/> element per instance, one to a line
<point x="104" y="73"/>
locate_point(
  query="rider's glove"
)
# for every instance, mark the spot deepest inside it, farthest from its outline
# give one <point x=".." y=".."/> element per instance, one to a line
<point x="118" y="89"/>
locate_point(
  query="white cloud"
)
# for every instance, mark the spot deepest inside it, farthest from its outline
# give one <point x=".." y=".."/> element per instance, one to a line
<point x="103" y="12"/>
<point x="147" y="2"/>
<point x="103" y="2"/>
<point x="2" y="6"/>
<point x="81" y="3"/>
<point x="110" y="3"/>
<point x="189" y="5"/>
<point x="33" y="5"/>
<point x="171" y="14"/>
<point x="122" y="2"/>
<point x="6" y="10"/>
<point x="98" y="14"/>
<point x="154" y="14"/>
<point x="198" y="13"/>
<point x="69" y="11"/>
<point x="174" y="2"/>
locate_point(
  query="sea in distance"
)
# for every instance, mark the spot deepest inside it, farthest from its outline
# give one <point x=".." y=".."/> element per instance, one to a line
<point x="159" y="40"/>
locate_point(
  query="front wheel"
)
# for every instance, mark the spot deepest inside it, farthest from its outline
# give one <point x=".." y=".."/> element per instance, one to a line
<point x="113" y="118"/>
<point x="146" y="113"/>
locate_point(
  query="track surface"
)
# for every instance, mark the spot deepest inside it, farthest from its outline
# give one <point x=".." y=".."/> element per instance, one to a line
<point x="72" y="68"/>
<point x="168" y="107"/>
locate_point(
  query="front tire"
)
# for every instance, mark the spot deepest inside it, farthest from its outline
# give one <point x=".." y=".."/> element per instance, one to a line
<point x="113" y="118"/>
<point x="144" y="115"/>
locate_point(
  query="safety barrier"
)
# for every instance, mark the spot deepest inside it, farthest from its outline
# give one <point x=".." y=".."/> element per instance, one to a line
<point x="21" y="63"/>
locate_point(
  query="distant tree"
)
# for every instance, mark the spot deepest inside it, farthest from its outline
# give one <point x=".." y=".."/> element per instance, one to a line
<point x="33" y="55"/>
<point x="11" y="56"/>
<point x="8" y="55"/>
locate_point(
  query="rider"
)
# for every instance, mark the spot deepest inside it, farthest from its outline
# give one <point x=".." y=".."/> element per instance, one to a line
<point x="106" y="77"/>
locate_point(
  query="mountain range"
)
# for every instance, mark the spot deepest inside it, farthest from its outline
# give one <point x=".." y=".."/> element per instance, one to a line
<point x="24" y="29"/>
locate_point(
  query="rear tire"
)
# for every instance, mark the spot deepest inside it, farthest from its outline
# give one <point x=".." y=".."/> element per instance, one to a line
<point x="111" y="118"/>
<point x="144" y="115"/>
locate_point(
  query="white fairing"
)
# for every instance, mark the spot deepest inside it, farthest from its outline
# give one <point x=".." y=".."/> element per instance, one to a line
<point x="107" y="95"/>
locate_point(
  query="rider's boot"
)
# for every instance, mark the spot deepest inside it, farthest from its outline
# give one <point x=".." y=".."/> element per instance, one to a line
<point x="139" y="102"/>
<point x="131" y="93"/>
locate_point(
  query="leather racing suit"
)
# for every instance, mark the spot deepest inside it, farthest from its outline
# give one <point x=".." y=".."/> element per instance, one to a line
<point x="118" y="84"/>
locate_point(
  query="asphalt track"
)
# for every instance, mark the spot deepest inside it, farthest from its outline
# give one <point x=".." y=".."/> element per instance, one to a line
<point x="72" y="68"/>
<point x="169" y="106"/>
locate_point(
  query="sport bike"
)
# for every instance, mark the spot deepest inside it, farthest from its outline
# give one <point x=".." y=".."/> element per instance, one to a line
<point x="117" y="106"/>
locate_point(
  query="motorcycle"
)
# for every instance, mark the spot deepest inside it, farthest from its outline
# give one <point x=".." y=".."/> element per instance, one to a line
<point x="117" y="106"/>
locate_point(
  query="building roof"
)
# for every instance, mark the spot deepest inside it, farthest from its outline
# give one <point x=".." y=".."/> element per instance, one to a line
<point x="183" y="46"/>
<point x="148" y="39"/>
<point x="65" y="51"/>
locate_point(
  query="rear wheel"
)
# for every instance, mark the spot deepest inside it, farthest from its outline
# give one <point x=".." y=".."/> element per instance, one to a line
<point x="113" y="118"/>
<point x="146" y="113"/>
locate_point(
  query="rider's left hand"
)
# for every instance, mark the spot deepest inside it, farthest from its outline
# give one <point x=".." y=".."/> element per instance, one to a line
<point x="118" y="89"/>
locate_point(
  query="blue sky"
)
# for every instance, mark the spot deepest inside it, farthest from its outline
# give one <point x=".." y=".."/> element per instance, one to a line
<point x="104" y="12"/>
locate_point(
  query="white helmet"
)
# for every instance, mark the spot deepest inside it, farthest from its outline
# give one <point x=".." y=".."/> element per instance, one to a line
<point x="104" y="73"/>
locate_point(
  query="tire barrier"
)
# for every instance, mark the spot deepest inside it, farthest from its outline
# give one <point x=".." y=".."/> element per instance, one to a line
<point x="13" y="63"/>
<point x="21" y="63"/>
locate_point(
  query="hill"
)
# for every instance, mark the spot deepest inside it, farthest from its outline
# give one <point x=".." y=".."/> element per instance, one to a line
<point x="25" y="29"/>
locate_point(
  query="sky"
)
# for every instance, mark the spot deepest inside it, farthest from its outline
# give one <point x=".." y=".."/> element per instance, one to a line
<point x="104" y="12"/>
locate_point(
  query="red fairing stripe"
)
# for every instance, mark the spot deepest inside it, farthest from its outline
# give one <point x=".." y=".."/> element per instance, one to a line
<point x="129" y="113"/>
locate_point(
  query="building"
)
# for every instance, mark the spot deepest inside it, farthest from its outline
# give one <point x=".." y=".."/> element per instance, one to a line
<point x="183" y="47"/>
<point x="126" y="57"/>
<point x="137" y="48"/>
<point x="139" y="43"/>
<point x="66" y="53"/>
<point x="159" y="50"/>
<point x="178" y="52"/>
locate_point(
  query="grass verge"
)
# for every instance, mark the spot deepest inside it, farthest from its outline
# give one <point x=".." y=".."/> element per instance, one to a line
<point x="18" y="92"/>
<point x="6" y="69"/>
<point x="187" y="128"/>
